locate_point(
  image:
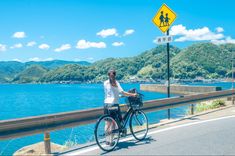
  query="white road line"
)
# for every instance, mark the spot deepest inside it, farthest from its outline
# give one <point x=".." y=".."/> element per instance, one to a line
<point x="150" y="133"/>
<point x="190" y="124"/>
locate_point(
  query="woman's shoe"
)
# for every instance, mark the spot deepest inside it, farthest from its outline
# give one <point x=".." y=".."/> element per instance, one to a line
<point x="110" y="143"/>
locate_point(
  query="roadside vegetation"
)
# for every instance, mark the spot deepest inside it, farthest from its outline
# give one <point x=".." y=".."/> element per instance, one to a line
<point x="203" y="106"/>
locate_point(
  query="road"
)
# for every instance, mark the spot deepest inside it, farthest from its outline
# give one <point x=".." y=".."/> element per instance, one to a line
<point x="207" y="137"/>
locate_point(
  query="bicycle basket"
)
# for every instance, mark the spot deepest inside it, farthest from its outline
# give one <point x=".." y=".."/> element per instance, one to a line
<point x="135" y="102"/>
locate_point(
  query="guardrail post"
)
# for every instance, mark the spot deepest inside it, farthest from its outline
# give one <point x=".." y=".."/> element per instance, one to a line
<point x="191" y="109"/>
<point x="233" y="98"/>
<point x="47" y="143"/>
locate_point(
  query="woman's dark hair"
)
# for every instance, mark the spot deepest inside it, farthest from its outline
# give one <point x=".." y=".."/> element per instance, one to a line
<point x="112" y="81"/>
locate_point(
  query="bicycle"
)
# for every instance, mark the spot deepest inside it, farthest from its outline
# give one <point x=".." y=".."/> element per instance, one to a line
<point x="109" y="127"/>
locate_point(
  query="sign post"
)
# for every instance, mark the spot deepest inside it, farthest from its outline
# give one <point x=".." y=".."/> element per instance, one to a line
<point x="168" y="73"/>
<point x="163" y="20"/>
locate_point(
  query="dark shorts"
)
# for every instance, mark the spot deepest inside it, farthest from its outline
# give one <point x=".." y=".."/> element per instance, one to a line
<point x="113" y="110"/>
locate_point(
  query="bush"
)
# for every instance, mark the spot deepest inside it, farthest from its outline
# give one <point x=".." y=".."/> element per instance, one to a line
<point x="218" y="103"/>
<point x="70" y="143"/>
<point x="209" y="105"/>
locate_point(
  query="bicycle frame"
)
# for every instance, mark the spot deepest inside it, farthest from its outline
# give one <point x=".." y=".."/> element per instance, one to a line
<point x="125" y="118"/>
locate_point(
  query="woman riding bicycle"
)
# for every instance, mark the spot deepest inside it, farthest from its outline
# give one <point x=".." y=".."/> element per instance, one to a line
<point x="112" y="89"/>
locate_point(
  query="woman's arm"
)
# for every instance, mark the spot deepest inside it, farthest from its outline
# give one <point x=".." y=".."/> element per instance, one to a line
<point x="128" y="94"/>
<point x="123" y="92"/>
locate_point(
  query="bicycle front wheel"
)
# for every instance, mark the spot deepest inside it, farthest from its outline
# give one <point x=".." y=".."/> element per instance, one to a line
<point x="107" y="133"/>
<point x="139" y="125"/>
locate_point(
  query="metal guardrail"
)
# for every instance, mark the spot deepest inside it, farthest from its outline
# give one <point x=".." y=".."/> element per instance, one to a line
<point x="20" y="127"/>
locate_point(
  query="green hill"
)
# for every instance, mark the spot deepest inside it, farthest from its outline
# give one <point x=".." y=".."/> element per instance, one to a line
<point x="8" y="69"/>
<point x="30" y="75"/>
<point x="66" y="73"/>
<point x="204" y="60"/>
<point x="55" y="63"/>
<point x="144" y="65"/>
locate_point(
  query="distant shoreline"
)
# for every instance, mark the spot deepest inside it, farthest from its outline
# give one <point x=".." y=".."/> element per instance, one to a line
<point x="174" y="81"/>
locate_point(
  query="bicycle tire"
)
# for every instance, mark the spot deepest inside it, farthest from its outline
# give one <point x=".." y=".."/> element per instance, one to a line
<point x="139" y="125"/>
<point x="102" y="136"/>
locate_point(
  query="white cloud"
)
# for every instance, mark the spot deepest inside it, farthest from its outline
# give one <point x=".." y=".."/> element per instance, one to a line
<point x="107" y="32"/>
<point x="49" y="59"/>
<point x="178" y="30"/>
<point x="19" y="35"/>
<point x="219" y="29"/>
<point x="200" y="34"/>
<point x="44" y="46"/>
<point x="18" y="60"/>
<point x="90" y="58"/>
<point x="77" y="59"/>
<point x="3" y="47"/>
<point x="224" y="41"/>
<point x="36" y="59"/>
<point x="31" y="44"/>
<point x="63" y="47"/>
<point x="18" y="45"/>
<point x="116" y="44"/>
<point x="129" y="32"/>
<point x="83" y="44"/>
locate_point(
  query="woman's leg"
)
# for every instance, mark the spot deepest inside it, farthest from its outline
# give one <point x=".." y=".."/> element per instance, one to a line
<point x="108" y="130"/>
<point x="109" y="125"/>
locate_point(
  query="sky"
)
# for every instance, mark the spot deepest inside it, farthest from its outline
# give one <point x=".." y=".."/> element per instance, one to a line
<point x="91" y="30"/>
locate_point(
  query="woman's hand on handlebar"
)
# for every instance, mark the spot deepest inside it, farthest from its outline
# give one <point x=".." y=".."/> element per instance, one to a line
<point x="129" y="94"/>
<point x="134" y="94"/>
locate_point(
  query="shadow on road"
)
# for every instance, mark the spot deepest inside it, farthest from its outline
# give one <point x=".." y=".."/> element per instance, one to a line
<point x="194" y="118"/>
<point x="131" y="143"/>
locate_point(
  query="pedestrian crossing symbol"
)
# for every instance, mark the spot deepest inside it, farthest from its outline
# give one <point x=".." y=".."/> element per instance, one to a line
<point x="164" y="18"/>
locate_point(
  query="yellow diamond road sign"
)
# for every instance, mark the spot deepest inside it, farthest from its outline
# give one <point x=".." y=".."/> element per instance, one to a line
<point x="164" y="18"/>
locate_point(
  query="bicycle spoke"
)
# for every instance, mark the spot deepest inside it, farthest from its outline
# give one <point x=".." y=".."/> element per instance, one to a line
<point x="139" y="125"/>
<point x="138" y="121"/>
<point x="107" y="133"/>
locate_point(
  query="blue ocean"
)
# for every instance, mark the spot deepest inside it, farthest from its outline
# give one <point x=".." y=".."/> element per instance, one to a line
<point x="25" y="100"/>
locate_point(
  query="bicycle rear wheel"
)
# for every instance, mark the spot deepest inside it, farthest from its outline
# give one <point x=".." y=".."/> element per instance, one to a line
<point x="107" y="133"/>
<point x="139" y="124"/>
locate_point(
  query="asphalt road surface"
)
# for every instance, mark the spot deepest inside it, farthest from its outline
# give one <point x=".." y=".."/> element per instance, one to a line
<point x="209" y="137"/>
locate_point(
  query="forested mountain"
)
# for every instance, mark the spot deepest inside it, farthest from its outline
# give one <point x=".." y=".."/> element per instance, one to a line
<point x="30" y="74"/>
<point x="204" y="60"/>
<point x="11" y="71"/>
<point x="55" y="63"/>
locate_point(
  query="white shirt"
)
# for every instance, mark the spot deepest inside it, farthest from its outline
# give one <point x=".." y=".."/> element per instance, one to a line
<point x="112" y="93"/>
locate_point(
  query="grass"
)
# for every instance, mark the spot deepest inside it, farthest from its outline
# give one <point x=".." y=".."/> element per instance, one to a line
<point x="70" y="143"/>
<point x="203" y="106"/>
